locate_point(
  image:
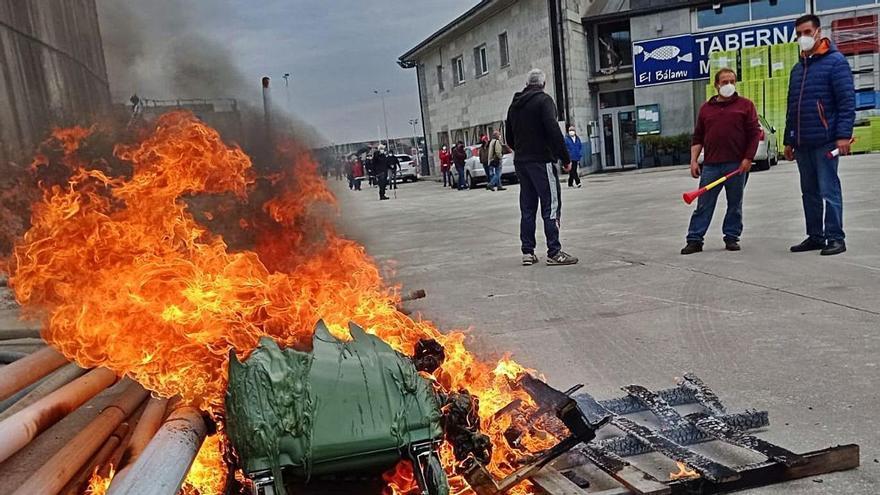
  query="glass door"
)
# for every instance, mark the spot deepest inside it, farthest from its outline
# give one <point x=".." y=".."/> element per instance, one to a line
<point x="619" y="144"/>
<point x="609" y="142"/>
<point x="626" y="121"/>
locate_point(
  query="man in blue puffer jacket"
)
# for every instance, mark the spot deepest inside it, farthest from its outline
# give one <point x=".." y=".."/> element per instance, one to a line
<point x="821" y="112"/>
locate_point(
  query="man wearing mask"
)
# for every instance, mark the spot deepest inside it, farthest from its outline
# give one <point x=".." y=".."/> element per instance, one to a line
<point x="533" y="133"/>
<point x="820" y="118"/>
<point x="496" y="155"/>
<point x="459" y="157"/>
<point x="380" y="168"/>
<point x="728" y="130"/>
<point x="445" y="166"/>
<point x="576" y="152"/>
<point x="484" y="159"/>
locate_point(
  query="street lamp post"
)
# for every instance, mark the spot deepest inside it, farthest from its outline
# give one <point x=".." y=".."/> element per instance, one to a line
<point x="384" y="114"/>
<point x="414" y="123"/>
<point x="286" y="78"/>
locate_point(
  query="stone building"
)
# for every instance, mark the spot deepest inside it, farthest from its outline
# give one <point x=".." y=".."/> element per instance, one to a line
<point x="627" y="70"/>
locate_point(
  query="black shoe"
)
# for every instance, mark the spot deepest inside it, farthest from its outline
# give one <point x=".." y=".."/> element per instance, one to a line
<point x="692" y="247"/>
<point x="499" y="188"/>
<point x="732" y="246"/>
<point x="834" y="247"/>
<point x="809" y="244"/>
<point x="384" y="198"/>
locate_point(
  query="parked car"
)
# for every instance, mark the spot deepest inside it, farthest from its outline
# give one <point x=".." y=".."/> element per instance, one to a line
<point x="408" y="171"/>
<point x="475" y="174"/>
<point x="768" y="148"/>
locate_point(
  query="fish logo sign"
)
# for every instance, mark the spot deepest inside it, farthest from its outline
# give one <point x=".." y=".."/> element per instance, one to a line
<point x="668" y="52"/>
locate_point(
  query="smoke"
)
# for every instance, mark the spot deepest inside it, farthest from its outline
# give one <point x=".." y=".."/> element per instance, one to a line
<point x="163" y="49"/>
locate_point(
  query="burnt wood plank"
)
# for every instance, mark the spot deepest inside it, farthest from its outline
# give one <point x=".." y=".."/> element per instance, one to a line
<point x="718" y="429"/>
<point x="704" y="395"/>
<point x="840" y="458"/>
<point x="654" y="403"/>
<point x="554" y="483"/>
<point x="677" y="396"/>
<point x="707" y="468"/>
<point x="636" y="480"/>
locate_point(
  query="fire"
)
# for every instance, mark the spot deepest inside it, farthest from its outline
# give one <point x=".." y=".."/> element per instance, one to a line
<point x="123" y="276"/>
<point x="98" y="485"/>
<point x="683" y="472"/>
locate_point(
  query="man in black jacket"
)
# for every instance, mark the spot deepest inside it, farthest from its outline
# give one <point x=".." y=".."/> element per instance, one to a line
<point x="381" y="165"/>
<point x="534" y="135"/>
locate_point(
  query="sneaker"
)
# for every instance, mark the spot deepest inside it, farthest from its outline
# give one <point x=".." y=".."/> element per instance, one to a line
<point x="732" y="246"/>
<point x="834" y="247"/>
<point x="809" y="244"/>
<point x="499" y="188"/>
<point x="692" y="247"/>
<point x="529" y="259"/>
<point x="561" y="258"/>
<point x="580" y="186"/>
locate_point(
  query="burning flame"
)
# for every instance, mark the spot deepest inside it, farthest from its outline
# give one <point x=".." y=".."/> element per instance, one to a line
<point x="684" y="472"/>
<point x="124" y="276"/>
<point x="98" y="485"/>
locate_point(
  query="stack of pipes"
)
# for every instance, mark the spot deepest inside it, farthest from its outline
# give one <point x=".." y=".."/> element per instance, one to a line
<point x="149" y="444"/>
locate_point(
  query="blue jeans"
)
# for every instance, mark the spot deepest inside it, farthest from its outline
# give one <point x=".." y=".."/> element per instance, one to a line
<point x="460" y="170"/>
<point x="447" y="178"/>
<point x="821" y="193"/>
<point x="734" y="188"/>
<point x="495" y="175"/>
<point x="539" y="182"/>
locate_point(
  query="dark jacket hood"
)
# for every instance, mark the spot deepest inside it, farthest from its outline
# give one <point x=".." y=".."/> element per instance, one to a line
<point x="523" y="97"/>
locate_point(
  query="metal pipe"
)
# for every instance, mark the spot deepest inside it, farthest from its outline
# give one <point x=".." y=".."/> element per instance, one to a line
<point x="51" y="383"/>
<point x="28" y="370"/>
<point x="63" y="466"/>
<point x="145" y="430"/>
<point x="23" y="426"/>
<point x="162" y="467"/>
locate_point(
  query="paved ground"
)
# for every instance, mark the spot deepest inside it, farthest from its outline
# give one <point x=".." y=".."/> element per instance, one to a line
<point x="797" y="335"/>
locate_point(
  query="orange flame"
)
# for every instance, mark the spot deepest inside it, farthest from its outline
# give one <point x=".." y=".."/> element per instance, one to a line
<point x="98" y="485"/>
<point x="683" y="472"/>
<point x="124" y="277"/>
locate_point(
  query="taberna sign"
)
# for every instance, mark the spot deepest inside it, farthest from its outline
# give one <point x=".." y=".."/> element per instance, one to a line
<point x="686" y="57"/>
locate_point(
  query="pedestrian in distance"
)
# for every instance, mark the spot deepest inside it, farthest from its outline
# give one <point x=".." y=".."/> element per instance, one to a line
<point x="728" y="130"/>
<point x="446" y="166"/>
<point x="820" y="118"/>
<point x="484" y="157"/>
<point x="380" y="168"/>
<point x="349" y="172"/>
<point x="534" y="135"/>
<point x="496" y="154"/>
<point x="576" y="153"/>
<point x="358" y="173"/>
<point x="459" y="156"/>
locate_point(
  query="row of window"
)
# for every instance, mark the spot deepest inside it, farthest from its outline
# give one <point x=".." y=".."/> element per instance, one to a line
<point x="481" y="63"/>
<point x="722" y="14"/>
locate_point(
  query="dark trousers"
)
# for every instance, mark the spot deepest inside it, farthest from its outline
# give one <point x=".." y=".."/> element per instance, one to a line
<point x="734" y="188"/>
<point x="447" y="178"/>
<point x="821" y="193"/>
<point x="461" y="176"/>
<point x="382" y="179"/>
<point x="573" y="177"/>
<point x="539" y="183"/>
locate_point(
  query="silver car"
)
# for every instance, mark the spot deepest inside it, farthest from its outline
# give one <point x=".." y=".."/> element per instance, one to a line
<point x="474" y="172"/>
<point x="408" y="172"/>
<point x="768" y="148"/>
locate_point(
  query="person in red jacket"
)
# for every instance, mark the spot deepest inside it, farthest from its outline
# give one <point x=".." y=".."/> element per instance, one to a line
<point x="446" y="166"/>
<point x="357" y="172"/>
<point x="728" y="131"/>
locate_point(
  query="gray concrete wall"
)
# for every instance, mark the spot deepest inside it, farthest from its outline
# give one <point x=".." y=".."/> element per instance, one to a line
<point x="484" y="100"/>
<point x="676" y="100"/>
<point x="52" y="70"/>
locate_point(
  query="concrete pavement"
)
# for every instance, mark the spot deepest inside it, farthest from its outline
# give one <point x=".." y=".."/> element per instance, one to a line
<point x="797" y="335"/>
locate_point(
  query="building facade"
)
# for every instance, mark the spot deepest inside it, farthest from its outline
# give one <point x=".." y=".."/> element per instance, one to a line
<point x="628" y="71"/>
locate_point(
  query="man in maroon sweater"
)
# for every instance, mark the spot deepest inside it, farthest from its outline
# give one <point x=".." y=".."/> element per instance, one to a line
<point x="728" y="129"/>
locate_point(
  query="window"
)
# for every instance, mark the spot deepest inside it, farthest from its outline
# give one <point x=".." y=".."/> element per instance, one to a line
<point x="458" y="70"/>
<point x="440" y="78"/>
<point x="613" y="99"/>
<point x="481" y="62"/>
<point x="755" y="10"/>
<point x="822" y="5"/>
<point x="502" y="48"/>
<point x="614" y="45"/>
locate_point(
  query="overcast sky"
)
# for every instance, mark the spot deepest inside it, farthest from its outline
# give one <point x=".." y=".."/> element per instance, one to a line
<point x="337" y="52"/>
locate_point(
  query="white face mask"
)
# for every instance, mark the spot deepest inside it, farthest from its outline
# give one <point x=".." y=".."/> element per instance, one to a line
<point x="572" y="133"/>
<point x="807" y="43"/>
<point x="727" y="90"/>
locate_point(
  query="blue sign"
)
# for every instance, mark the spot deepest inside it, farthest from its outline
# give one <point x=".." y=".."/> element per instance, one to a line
<point x="686" y="57"/>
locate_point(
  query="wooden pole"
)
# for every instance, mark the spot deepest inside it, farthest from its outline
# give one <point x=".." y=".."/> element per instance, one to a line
<point x="28" y="370"/>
